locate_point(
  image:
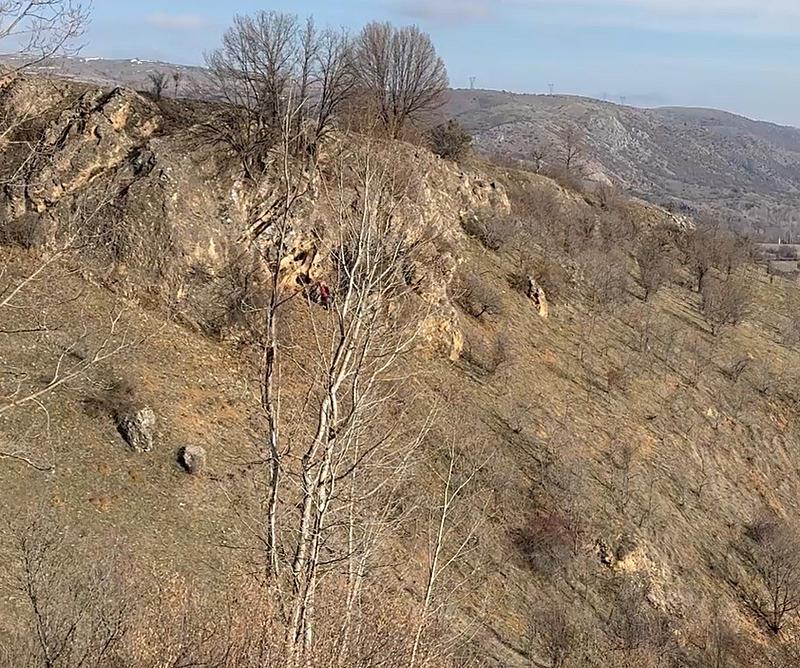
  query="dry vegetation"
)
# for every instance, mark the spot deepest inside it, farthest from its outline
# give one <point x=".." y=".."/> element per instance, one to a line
<point x="615" y="485"/>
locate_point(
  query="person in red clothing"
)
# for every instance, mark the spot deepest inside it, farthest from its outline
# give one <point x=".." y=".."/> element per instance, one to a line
<point x="324" y="295"/>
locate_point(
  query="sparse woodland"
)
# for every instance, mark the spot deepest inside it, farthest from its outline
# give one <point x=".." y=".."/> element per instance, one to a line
<point x="280" y="386"/>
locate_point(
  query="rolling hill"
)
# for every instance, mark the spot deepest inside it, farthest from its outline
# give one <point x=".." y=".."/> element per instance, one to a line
<point x="744" y="171"/>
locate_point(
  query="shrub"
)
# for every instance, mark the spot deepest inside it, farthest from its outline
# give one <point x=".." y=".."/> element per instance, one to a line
<point x="477" y="297"/>
<point x="724" y="303"/>
<point x="546" y="271"/>
<point x="634" y="623"/>
<point x="771" y="550"/>
<point x="547" y="543"/>
<point x="233" y="301"/>
<point x="608" y="196"/>
<point x="26" y="231"/>
<point x="493" y="231"/>
<point x="117" y="399"/>
<point x="556" y="632"/>
<point x="488" y="357"/>
<point x="450" y="141"/>
<point x="616" y="378"/>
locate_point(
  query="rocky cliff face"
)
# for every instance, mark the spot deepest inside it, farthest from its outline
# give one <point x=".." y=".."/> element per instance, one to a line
<point x="166" y="206"/>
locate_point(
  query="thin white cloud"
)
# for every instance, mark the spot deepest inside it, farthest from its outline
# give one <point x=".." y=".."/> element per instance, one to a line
<point x="180" y="22"/>
<point x="719" y="16"/>
<point x="446" y="11"/>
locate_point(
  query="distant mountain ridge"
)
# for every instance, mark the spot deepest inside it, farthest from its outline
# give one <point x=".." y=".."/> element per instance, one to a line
<point x="745" y="172"/>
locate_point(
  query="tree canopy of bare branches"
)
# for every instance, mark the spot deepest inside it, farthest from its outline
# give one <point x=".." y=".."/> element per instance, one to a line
<point x="158" y="83"/>
<point x="772" y="552"/>
<point x="41" y="29"/>
<point x="270" y="66"/>
<point x="399" y="71"/>
<point x="724" y="302"/>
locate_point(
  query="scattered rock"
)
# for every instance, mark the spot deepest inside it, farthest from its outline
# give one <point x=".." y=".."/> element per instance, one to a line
<point x="538" y="297"/>
<point x="604" y="554"/>
<point x="137" y="429"/>
<point x="192" y="458"/>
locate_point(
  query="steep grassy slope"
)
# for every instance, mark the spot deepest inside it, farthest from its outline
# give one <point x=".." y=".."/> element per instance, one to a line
<point x="617" y="451"/>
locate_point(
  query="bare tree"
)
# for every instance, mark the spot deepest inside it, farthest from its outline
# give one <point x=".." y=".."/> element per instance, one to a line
<point x="333" y="457"/>
<point x="177" y="77"/>
<point x="477" y="297"/>
<point x="450" y="540"/>
<point x="724" y="303"/>
<point x="271" y="66"/>
<point x="40" y="29"/>
<point x="655" y="264"/>
<point x="158" y="84"/>
<point x="772" y="552"/>
<point x="538" y="155"/>
<point x="400" y="72"/>
<point x="374" y="323"/>
<point x="573" y="148"/>
<point x="700" y="253"/>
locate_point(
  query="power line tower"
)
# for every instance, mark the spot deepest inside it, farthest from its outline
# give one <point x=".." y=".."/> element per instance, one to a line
<point x="551" y="87"/>
<point x="472" y="83"/>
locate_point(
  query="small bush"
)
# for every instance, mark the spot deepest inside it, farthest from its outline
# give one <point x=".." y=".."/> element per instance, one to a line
<point x="548" y="541"/>
<point x="450" y="141"/>
<point x="737" y="367"/>
<point x="27" y="231"/>
<point x="616" y="378"/>
<point x="477" y="297"/>
<point x="493" y="231"/>
<point x="555" y="629"/>
<point x="488" y="357"/>
<point x="117" y="399"/>
<point x="231" y="302"/>
<point x="608" y="196"/>
<point x="634" y="623"/>
<point x="546" y="271"/>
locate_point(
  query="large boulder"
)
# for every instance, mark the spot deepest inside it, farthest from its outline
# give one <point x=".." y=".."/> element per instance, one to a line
<point x="137" y="428"/>
<point x="192" y="458"/>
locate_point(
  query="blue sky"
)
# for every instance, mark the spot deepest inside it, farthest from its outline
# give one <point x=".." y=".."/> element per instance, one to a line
<point x="739" y="55"/>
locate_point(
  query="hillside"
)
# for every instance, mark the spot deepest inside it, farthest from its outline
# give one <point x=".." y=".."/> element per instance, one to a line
<point x="745" y="172"/>
<point x="614" y="454"/>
